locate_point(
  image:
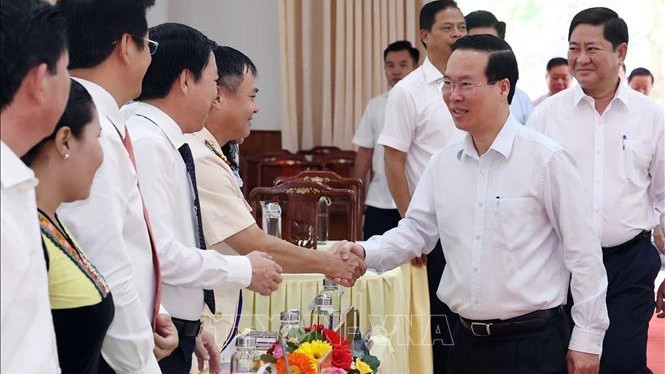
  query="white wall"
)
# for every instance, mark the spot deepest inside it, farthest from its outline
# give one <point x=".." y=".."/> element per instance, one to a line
<point x="251" y="26"/>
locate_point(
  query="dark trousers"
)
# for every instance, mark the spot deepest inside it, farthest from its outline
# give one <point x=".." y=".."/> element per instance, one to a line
<point x="104" y="368"/>
<point x="180" y="361"/>
<point x="378" y="221"/>
<point x="542" y="351"/>
<point x="631" y="273"/>
<point x="443" y="320"/>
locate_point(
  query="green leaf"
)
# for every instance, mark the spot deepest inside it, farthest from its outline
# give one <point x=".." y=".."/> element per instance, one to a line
<point x="372" y="361"/>
<point x="268" y="358"/>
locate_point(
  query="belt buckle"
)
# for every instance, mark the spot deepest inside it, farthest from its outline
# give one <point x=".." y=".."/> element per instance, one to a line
<point x="480" y="324"/>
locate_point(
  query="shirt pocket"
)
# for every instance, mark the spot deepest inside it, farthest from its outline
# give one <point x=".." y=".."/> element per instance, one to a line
<point x="513" y="216"/>
<point x="636" y="160"/>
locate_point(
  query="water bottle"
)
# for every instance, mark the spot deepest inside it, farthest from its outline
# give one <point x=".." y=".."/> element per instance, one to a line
<point x="331" y="289"/>
<point x="246" y="359"/>
<point x="323" y="311"/>
<point x="322" y="219"/>
<point x="288" y="321"/>
<point x="272" y="219"/>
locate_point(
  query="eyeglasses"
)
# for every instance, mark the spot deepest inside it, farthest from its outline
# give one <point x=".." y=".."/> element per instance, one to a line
<point x="448" y="86"/>
<point x="152" y="45"/>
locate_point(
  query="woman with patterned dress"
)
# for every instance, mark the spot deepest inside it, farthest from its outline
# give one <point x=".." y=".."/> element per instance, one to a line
<point x="65" y="164"/>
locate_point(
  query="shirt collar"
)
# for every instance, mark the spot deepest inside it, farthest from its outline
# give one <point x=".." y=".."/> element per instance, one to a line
<point x="165" y="123"/>
<point x="502" y="144"/>
<point x="14" y="171"/>
<point x="105" y="103"/>
<point x="206" y="136"/>
<point x="622" y="94"/>
<point x="432" y="74"/>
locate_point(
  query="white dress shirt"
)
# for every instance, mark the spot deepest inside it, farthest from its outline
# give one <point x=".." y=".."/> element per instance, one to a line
<point x="417" y="121"/>
<point x="619" y="154"/>
<point x="28" y="339"/>
<point x="168" y="193"/>
<point x="513" y="223"/>
<point x="521" y="106"/>
<point x="110" y="227"/>
<point x="540" y="99"/>
<point x="367" y="135"/>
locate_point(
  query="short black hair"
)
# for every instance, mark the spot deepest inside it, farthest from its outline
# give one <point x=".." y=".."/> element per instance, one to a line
<point x="615" y="29"/>
<point x="640" y="72"/>
<point x="231" y="67"/>
<point x="501" y="61"/>
<point x="79" y="112"/>
<point x="556" y="61"/>
<point x="483" y="18"/>
<point x="429" y="11"/>
<point x="95" y="26"/>
<point x="180" y="48"/>
<point x="403" y="45"/>
<point x="32" y="32"/>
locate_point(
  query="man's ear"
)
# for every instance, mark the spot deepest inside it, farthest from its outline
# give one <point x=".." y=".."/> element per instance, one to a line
<point x="185" y="79"/>
<point x="504" y="85"/>
<point x="122" y="48"/>
<point x="622" y="50"/>
<point x="35" y="84"/>
<point x="424" y="36"/>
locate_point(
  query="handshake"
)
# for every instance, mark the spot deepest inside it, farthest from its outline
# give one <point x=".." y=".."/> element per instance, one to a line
<point x="343" y="263"/>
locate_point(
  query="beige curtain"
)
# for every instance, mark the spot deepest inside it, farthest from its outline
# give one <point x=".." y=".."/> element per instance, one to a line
<point x="332" y="63"/>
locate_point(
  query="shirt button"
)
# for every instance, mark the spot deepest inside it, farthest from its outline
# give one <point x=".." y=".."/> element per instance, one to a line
<point x="475" y="302"/>
<point x="480" y="205"/>
<point x="597" y="181"/>
<point x="597" y="152"/>
<point x="475" y="269"/>
<point x="478" y="237"/>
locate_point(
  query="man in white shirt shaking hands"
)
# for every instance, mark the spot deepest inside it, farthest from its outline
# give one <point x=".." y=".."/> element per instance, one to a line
<point x="506" y="203"/>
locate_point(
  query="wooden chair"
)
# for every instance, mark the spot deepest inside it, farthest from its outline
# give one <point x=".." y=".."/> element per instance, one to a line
<point x="299" y="201"/>
<point x="249" y="170"/>
<point x="334" y="180"/>
<point x="268" y="171"/>
<point x="340" y="162"/>
<point x="318" y="150"/>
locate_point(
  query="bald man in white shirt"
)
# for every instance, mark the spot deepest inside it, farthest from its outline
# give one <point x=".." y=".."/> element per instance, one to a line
<point x="508" y="206"/>
<point x="615" y="135"/>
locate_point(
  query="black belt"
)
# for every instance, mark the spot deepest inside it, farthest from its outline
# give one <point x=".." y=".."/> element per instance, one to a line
<point x="187" y="328"/>
<point x="644" y="235"/>
<point x="530" y="322"/>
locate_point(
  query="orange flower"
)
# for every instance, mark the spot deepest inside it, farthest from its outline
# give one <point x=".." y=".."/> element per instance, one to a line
<point x="299" y="363"/>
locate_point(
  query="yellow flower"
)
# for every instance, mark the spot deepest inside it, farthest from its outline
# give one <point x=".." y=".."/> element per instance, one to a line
<point x="315" y="349"/>
<point x="362" y="367"/>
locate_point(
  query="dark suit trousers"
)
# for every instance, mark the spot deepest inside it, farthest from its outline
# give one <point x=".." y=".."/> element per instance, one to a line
<point x="631" y="274"/>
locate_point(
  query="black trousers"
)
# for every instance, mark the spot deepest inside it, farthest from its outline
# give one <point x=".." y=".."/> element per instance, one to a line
<point x="631" y="274"/>
<point x="378" y="221"/>
<point x="542" y="351"/>
<point x="443" y="320"/>
<point x="180" y="361"/>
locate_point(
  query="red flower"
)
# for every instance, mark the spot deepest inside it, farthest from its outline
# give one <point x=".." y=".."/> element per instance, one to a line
<point x="341" y="357"/>
<point x="334" y="338"/>
<point x="317" y="328"/>
<point x="274" y="347"/>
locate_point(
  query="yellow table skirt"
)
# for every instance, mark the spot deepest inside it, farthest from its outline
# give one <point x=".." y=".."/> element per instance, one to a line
<point x="394" y="305"/>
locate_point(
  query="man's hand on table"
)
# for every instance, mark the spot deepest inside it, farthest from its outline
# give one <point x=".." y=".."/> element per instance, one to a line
<point x="266" y="273"/>
<point x="347" y="263"/>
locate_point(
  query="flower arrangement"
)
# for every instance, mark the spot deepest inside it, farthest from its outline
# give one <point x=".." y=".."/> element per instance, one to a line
<point x="318" y="350"/>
